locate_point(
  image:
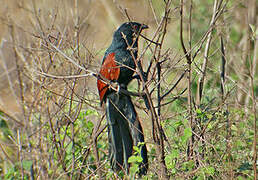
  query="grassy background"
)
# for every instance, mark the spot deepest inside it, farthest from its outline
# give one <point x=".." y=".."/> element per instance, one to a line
<point x="51" y="126"/>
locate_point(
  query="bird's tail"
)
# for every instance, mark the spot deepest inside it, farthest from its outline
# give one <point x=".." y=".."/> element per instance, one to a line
<point x="124" y="132"/>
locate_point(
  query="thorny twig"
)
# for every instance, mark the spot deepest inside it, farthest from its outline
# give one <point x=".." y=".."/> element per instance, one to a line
<point x="189" y="74"/>
<point x="158" y="133"/>
<point x="206" y="52"/>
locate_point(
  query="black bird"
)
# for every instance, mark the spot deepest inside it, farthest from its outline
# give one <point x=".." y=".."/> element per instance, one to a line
<point x="124" y="128"/>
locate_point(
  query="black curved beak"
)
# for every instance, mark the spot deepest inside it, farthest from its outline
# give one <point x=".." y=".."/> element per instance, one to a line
<point x="144" y="26"/>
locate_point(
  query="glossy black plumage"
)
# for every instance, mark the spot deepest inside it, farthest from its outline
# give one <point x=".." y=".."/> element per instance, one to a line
<point x="124" y="128"/>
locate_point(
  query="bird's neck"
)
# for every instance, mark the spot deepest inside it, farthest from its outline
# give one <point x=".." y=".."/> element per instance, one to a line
<point x="128" y="44"/>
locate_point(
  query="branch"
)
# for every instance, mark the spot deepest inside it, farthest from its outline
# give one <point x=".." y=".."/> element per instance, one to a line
<point x="181" y="32"/>
<point x="173" y="87"/>
<point x="206" y="52"/>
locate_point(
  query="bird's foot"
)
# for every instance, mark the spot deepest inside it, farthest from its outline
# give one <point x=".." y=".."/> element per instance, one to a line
<point x="115" y="86"/>
<point x="132" y="49"/>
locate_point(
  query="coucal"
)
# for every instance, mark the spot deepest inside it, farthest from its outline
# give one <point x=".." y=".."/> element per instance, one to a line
<point x="124" y="128"/>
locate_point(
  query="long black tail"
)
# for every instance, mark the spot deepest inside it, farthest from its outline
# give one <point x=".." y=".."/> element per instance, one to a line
<point x="124" y="132"/>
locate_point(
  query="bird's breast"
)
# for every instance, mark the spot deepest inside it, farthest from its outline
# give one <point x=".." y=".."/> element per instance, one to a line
<point x="127" y="68"/>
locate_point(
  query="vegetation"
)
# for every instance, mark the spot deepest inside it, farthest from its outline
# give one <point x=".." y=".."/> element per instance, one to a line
<point x="200" y="57"/>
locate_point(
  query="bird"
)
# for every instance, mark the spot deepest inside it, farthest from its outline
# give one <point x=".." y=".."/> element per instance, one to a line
<point x="124" y="127"/>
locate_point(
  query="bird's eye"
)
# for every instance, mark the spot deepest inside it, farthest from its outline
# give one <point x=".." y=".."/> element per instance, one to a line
<point x="135" y="27"/>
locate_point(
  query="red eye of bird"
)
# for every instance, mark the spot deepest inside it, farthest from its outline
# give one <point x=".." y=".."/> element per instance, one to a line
<point x="134" y="27"/>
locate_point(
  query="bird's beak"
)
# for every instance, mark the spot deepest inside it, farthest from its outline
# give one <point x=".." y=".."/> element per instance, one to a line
<point x="144" y="26"/>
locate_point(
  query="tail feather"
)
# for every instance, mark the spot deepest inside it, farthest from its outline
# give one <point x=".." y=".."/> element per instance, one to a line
<point x="125" y="131"/>
<point x="136" y="132"/>
<point x="120" y="140"/>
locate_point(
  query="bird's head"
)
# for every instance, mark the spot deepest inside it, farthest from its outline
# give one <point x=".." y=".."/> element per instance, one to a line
<point x="129" y="32"/>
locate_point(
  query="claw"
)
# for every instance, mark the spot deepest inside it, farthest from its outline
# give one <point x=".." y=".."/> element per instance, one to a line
<point x="118" y="88"/>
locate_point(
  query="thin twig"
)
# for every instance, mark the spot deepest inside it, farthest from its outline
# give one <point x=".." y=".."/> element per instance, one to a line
<point x="174" y="86"/>
<point x="206" y="52"/>
<point x="19" y="143"/>
<point x="252" y="73"/>
<point x="189" y="62"/>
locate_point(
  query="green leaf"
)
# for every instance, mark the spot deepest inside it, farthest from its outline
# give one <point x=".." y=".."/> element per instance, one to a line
<point x="233" y="127"/>
<point x="136" y="148"/>
<point x="210" y="170"/>
<point x="177" y="124"/>
<point x="188" y="165"/>
<point x="198" y="111"/>
<point x="187" y="134"/>
<point x="175" y="153"/>
<point x="170" y="159"/>
<point x="91" y="112"/>
<point x="90" y="126"/>
<point x="27" y="164"/>
<point x="135" y="159"/>
<point x="134" y="169"/>
<point x="209" y="116"/>
<point x="252" y="28"/>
